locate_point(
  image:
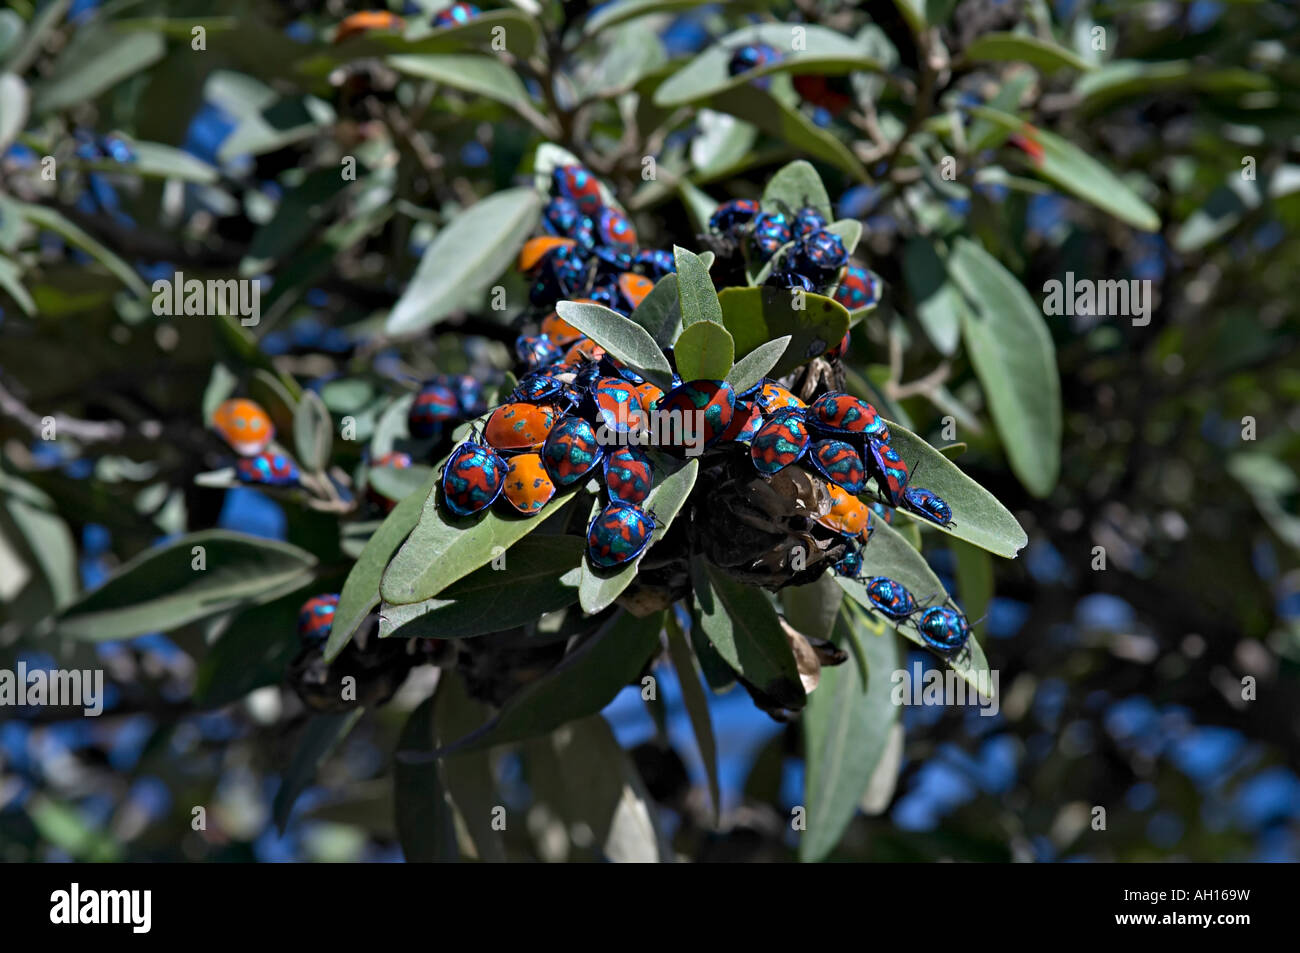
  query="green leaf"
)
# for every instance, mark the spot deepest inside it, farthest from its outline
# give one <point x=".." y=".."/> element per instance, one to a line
<point x="789" y="125"/>
<point x="795" y="186"/>
<point x="845" y="728"/>
<point x="14" y="101"/>
<point x="303" y="209"/>
<point x="422" y="808"/>
<point x="64" y="826"/>
<point x="720" y="676"/>
<point x="313" y="432"/>
<point x="397" y="483"/>
<point x="49" y="16"/>
<point x="43" y="217"/>
<point x="823" y="51"/>
<point x="466" y="257"/>
<point x="360" y="592"/>
<point x="598" y="590"/>
<point x="746" y="631"/>
<point x="660" y="312"/>
<point x="253" y="651"/>
<point x="43" y="532"/>
<point x="85" y="70"/>
<point x="813" y="608"/>
<point x="539" y="574"/>
<point x="704" y="352"/>
<point x="11" y="31"/>
<point x="322" y="734"/>
<point x="699" y="206"/>
<point x="698" y="300"/>
<point x="468" y="777"/>
<point x="697" y="706"/>
<point x="160" y="589"/>
<point x="974" y="582"/>
<point x="1022" y="48"/>
<point x="621" y="337"/>
<point x="1128" y="79"/>
<point x="1073" y="170"/>
<point x="482" y="75"/>
<point x="755" y="316"/>
<point x="1012" y="352"/>
<point x="612" y="14"/>
<point x="1228" y="205"/>
<point x="757" y="364"/>
<point x="11" y="284"/>
<point x="585" y="681"/>
<point x="939" y="305"/>
<point x="155" y="160"/>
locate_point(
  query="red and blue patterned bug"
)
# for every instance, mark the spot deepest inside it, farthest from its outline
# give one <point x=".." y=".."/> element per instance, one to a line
<point x="528" y="487"/>
<point x="520" y="427"/>
<point x="584" y="350"/>
<point x="537" y="251"/>
<point x="561" y="332"/>
<point x="751" y="56"/>
<point x="847" y="516"/>
<point x="745" y="422"/>
<point x="832" y="93"/>
<point x="773" y="398"/>
<point x="616" y="405"/>
<point x="928" y="504"/>
<point x="807" y="221"/>
<point x="535" y="388"/>
<point x="244" y="425"/>
<point x="435" y="403"/>
<point x="365" y="21"/>
<point x="731" y="215"/>
<point x="769" y="232"/>
<point x="457" y="14"/>
<point x="858" y="288"/>
<point x="537" y="350"/>
<point x="650" y="396"/>
<point x="472" y="478"/>
<point x="267" y="468"/>
<point x="469" y="395"/>
<point x="571" y="451"/>
<point x="838" y="462"/>
<point x="944" y="629"/>
<point x="618" y="535"/>
<point x="577" y="183"/>
<point x="316" y="618"/>
<point x="613" y="229"/>
<point x="699" y="411"/>
<point x="890" y="598"/>
<point x="850" y="564"/>
<point x="882" y="512"/>
<point x="561" y="217"/>
<point x="634" y="288"/>
<point x="819" y="256"/>
<point x="779" y="442"/>
<point x="785" y="278"/>
<point x="628" y="476"/>
<point x="889" y="470"/>
<point x="840" y="413"/>
<point x="655" y="262"/>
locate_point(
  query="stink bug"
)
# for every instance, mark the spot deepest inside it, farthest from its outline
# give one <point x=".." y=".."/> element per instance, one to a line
<point x="807" y="221"/>
<point x="890" y="598"/>
<point x="435" y="403"/>
<point x="701" y="411"/>
<point x="365" y="21"/>
<point x="944" y="629"/>
<point x="244" y="425"/>
<point x="536" y="350"/>
<point x="634" y="288"/>
<point x="528" y="487"/>
<point x="316" y="618"/>
<point x="779" y="442"/>
<point x="838" y="462"/>
<point x="613" y="229"/>
<point x="655" y="262"/>
<point x="472" y="478"/>
<point x="889" y="470"/>
<point x="819" y="256"/>
<point x="848" y="515"/>
<point x="520" y="427"/>
<point x="927" y="503"/>
<point x="576" y="183"/>
<point x="858" y="288"/>
<point x="455" y="15"/>
<point x="769" y="232"/>
<point x="559" y="331"/>
<point x="617" y="405"/>
<point x="839" y="413"/>
<point x="772" y="398"/>
<point x="628" y="476"/>
<point x="268" y="469"/>
<point x="618" y="534"/>
<point x="733" y="214"/>
<point x="752" y="56"/>
<point x="571" y="451"/>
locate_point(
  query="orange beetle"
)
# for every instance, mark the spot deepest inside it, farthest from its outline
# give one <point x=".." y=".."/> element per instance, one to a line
<point x="650" y="395"/>
<point x="528" y="486"/>
<point x="561" y="332"/>
<point x="535" y="249"/>
<point x="584" y="348"/>
<point x="368" y="20"/>
<point x="515" y="427"/>
<point x="634" y="287"/>
<point x="244" y="425"/>
<point x="848" y="514"/>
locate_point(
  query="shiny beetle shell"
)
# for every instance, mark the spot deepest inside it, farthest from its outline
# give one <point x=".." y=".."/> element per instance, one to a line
<point x="613" y="229"/>
<point x="838" y="462"/>
<point x="944" y="629"/>
<point x="840" y="413"/>
<point x="268" y="469"/>
<point x="365" y="21"/>
<point x="650" y="396"/>
<point x="703" y="412"/>
<point x="617" y="405"/>
<point x="434" y="403"/>
<point x="773" y="398"/>
<point x="618" y="534"/>
<point x="628" y="476"/>
<point x="520" y="427"/>
<point x="858" y="288"/>
<point x="571" y="451"/>
<point x="745" y="422"/>
<point x="316" y="618"/>
<point x="848" y="515"/>
<point x="472" y="478"/>
<point x="779" y="442"/>
<point x="577" y="183"/>
<point x="890" y="598"/>
<point x="560" y="332"/>
<point x="537" y="250"/>
<point x="528" y="487"/>
<point x="928" y="504"/>
<point x="634" y="287"/>
<point x="889" y="470"/>
<point x="244" y="425"/>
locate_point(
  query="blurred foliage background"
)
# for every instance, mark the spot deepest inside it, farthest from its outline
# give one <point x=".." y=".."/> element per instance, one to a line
<point x="1120" y="687"/>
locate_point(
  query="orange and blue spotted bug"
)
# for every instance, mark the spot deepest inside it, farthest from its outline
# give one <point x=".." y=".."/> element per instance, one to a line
<point x="928" y="504"/>
<point x="457" y="14"/>
<point x="316" y="618"/>
<point x="838" y="462"/>
<point x="571" y="451"/>
<point x="535" y="388"/>
<point x="655" y="262"/>
<point x="559" y="331"/>
<point x="889" y="470"/>
<point x="699" y="411"/>
<point x="832" y="93"/>
<point x="244" y="425"/>
<point x="890" y="598"/>
<point x="944" y="629"/>
<point x="616" y="405"/>
<point x="650" y="396"/>
<point x="772" y="398"/>
<point x="618" y="535"/>
<point x="536" y="350"/>
<point x="365" y="21"/>
<point x="472" y="478"/>
<point x="436" y="402"/>
<point x="634" y="288"/>
<point x="561" y="216"/>
<point x="528" y="487"/>
<point x="583" y="350"/>
<point x="848" y="515"/>
<point x="858" y="288"/>
<point x="779" y="442"/>
<point x="769" y="232"/>
<point x="819" y="256"/>
<point x="744" y="422"/>
<point x="268" y="469"/>
<point x="577" y="183"/>
<point x="882" y="512"/>
<point x="537" y="251"/>
<point x="613" y="229"/>
<point x="519" y="427"/>
<point x="839" y="413"/>
<point x="628" y="476"/>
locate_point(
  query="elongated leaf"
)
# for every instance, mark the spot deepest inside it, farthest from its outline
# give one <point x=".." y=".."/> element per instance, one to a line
<point x="155" y="160"/>
<point x="845" y="730"/>
<point x="795" y="186"/>
<point x="1022" y="48"/>
<point x="813" y="608"/>
<point x="252" y="651"/>
<point x="422" y="808"/>
<point x="481" y="75"/>
<point x="539" y="574"/>
<point x="697" y="707"/>
<point x="313" y="432"/>
<point x="87" y="69"/>
<point x="704" y="351"/>
<point x="622" y="337"/>
<point x="360" y="591"/>
<point x="598" y="590"/>
<point x="746" y="631"/>
<point x="1066" y="165"/>
<point x="43" y="532"/>
<point x="755" y="316"/>
<point x="468" y="777"/>
<point x="584" y="682"/>
<point x="939" y="304"/>
<point x="161" y="589"/>
<point x="43" y="217"/>
<point x="11" y="284"/>
<point x="698" y="300"/>
<point x="612" y="14"/>
<point x="757" y="364"/>
<point x="699" y="206"/>
<point x="397" y="483"/>
<point x="518" y="31"/>
<point x="319" y="738"/>
<point x="1130" y="79"/>
<point x="789" y="125"/>
<point x="466" y="256"/>
<point x="974" y="582"/>
<point x="14" y="101"/>
<point x="660" y="312"/>
<point x="1015" y="360"/>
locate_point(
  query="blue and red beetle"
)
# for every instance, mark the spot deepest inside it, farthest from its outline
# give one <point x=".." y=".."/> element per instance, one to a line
<point x="528" y="487"/>
<point x="819" y="256"/>
<point x="613" y="228"/>
<point x="772" y="398"/>
<point x="577" y="183"/>
<point x="267" y="468"/>
<point x="732" y="215"/>
<point x="537" y="350"/>
<point x="752" y="56"/>
<point x="840" y="413"/>
<point x="472" y="478"/>
<point x="890" y="598"/>
<point x="634" y="288"/>
<point x="616" y="404"/>
<point x="520" y="426"/>
<point x="928" y="504"/>
<point x="316" y="618"/>
<point x="701" y="409"/>
<point x="944" y="629"/>
<point x="745" y="422"/>
<point x="628" y="476"/>
<point x="655" y="262"/>
<point x="806" y="221"/>
<point x="890" y="471"/>
<point x="436" y="402"/>
<point x="838" y="462"/>
<point x="779" y="442"/>
<point x="455" y="15"/>
<point x="571" y="451"/>
<point x="858" y="288"/>
<point x="850" y="564"/>
<point x="769" y="232"/>
<point x="618" y="534"/>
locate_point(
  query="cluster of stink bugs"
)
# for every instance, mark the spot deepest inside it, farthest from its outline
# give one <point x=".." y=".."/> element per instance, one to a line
<point x="365" y="21"/>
